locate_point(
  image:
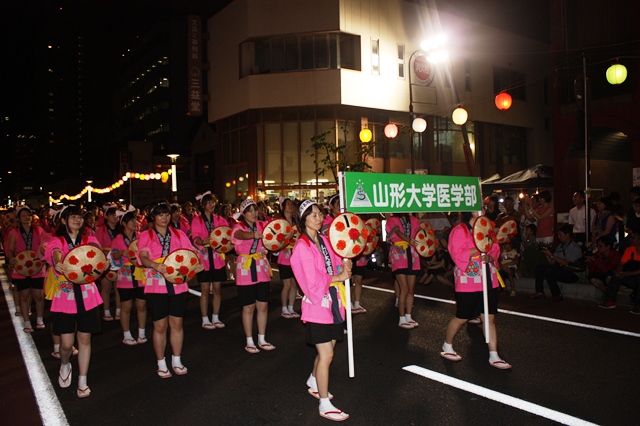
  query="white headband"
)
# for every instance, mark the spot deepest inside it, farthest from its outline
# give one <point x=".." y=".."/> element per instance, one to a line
<point x="199" y="197"/>
<point x="305" y="205"/>
<point x="121" y="213"/>
<point x="246" y="204"/>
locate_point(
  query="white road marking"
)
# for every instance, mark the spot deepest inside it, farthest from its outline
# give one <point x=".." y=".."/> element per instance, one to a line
<point x="521" y="314"/>
<point x="502" y="398"/>
<point x="50" y="409"/>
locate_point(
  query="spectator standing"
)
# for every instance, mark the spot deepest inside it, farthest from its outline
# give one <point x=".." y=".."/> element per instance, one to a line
<point x="544" y="216"/>
<point x="577" y="218"/>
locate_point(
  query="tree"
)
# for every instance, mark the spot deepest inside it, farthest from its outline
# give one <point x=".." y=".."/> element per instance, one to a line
<point x="329" y="156"/>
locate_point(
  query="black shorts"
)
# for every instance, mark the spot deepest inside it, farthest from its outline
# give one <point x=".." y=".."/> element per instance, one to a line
<point x="213" y="276"/>
<point x="470" y="305"/>
<point x="407" y="271"/>
<point x="162" y="305"/>
<point x="285" y="272"/>
<point x="358" y="270"/>
<point x="86" y="322"/>
<point x="250" y="294"/>
<point x="127" y="294"/>
<point x="324" y="333"/>
<point x="28" y="282"/>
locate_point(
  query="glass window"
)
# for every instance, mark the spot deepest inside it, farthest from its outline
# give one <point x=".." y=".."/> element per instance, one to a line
<point x="375" y="57"/>
<point x="290" y="159"/>
<point x="349" y="52"/>
<point x="263" y="56"/>
<point x="277" y="54"/>
<point x="400" y="61"/>
<point x="291" y="53"/>
<point x="507" y="144"/>
<point x="449" y="140"/>
<point x="272" y="154"/>
<point x="307" y="167"/>
<point x="306" y="52"/>
<point x="321" y="51"/>
<point x="333" y="51"/>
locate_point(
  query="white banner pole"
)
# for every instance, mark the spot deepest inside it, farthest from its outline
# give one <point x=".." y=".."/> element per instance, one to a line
<point x="347" y="285"/>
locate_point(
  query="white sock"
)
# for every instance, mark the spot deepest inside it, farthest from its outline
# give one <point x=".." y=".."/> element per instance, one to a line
<point x="216" y="318"/>
<point x="39" y="320"/>
<point x="27" y="324"/>
<point x="396" y="302"/>
<point x="176" y="361"/>
<point x="205" y="320"/>
<point x="285" y="310"/>
<point x="402" y="319"/>
<point x="118" y="311"/>
<point x="356" y="304"/>
<point x="162" y="364"/>
<point x="312" y="383"/>
<point x="107" y="313"/>
<point x="82" y="382"/>
<point x="326" y="405"/>
<point x="408" y="317"/>
<point x="250" y="341"/>
<point x="493" y="356"/>
<point x="56" y="348"/>
<point x="291" y="310"/>
<point x="261" y="339"/>
<point x="127" y="335"/>
<point x="446" y="347"/>
<point x="64" y="368"/>
<point x="142" y="332"/>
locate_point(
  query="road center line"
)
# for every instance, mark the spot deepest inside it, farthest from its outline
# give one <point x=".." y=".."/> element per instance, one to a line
<point x="51" y="411"/>
<point x="521" y="314"/>
<point x="497" y="396"/>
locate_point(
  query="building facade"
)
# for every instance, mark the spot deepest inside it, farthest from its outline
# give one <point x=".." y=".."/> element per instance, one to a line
<point x="284" y="71"/>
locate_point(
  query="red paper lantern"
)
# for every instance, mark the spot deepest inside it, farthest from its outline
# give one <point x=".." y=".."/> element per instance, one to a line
<point x="503" y="101"/>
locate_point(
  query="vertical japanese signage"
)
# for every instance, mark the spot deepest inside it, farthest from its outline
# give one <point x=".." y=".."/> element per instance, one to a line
<point x="194" y="65"/>
<point x="399" y="193"/>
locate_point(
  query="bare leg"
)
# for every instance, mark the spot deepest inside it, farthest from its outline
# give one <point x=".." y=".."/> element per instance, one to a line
<point x="24" y="297"/>
<point x="84" y="352"/>
<point x="286" y="287"/>
<point x="160" y="337"/>
<point x="176" y="335"/>
<point x="247" y="319"/>
<point x="38" y="296"/>
<point x="263" y="313"/>
<point x="66" y="347"/>
<point x="402" y="297"/>
<point x="452" y="329"/>
<point x="217" y="297"/>
<point x="204" y="299"/>
<point x="321" y="367"/>
<point x="493" y="337"/>
<point x="141" y="307"/>
<point x="411" y="284"/>
<point x="105" y="292"/>
<point x="125" y="315"/>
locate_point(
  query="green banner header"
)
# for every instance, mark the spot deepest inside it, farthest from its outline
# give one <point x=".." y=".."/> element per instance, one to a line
<point x="406" y="193"/>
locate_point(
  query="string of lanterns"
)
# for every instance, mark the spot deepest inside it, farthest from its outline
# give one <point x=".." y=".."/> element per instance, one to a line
<point x="162" y="177"/>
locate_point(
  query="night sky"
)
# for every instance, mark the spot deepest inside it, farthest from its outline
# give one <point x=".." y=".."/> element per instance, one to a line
<point x="110" y="27"/>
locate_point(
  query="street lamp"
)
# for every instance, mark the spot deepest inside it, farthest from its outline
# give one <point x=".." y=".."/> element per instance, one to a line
<point x="174" y="177"/>
<point x="89" y="182"/>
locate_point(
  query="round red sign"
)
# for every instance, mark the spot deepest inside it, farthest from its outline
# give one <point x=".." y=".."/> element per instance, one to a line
<point x="422" y="70"/>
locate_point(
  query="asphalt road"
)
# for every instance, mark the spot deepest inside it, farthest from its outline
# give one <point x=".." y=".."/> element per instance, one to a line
<point x="589" y="374"/>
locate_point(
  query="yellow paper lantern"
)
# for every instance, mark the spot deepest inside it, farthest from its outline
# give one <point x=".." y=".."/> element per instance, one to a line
<point x="164" y="177"/>
<point x="365" y="135"/>
<point x="616" y="74"/>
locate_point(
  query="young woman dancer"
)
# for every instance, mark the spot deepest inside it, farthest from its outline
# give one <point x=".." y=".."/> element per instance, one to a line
<point x="289" y="286"/>
<point x="167" y="301"/>
<point x="105" y="235"/>
<point x="320" y="274"/>
<point x="74" y="307"/>
<point x="405" y="263"/>
<point x="253" y="277"/>
<point x="215" y="271"/>
<point x="26" y="236"/>
<point x="129" y="286"/>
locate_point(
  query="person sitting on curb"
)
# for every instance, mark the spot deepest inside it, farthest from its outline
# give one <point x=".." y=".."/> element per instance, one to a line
<point x="627" y="274"/>
<point x="602" y="263"/>
<point x="556" y="268"/>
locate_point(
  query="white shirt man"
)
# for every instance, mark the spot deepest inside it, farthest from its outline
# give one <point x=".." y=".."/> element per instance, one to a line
<point x="577" y="218"/>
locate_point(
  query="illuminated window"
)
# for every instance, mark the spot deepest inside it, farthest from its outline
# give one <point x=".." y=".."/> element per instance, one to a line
<point x="401" y="61"/>
<point x="375" y="57"/>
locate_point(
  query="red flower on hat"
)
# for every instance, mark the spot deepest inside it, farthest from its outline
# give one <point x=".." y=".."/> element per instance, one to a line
<point x="356" y="249"/>
<point x="479" y="236"/>
<point x="225" y="241"/>
<point x="429" y="243"/>
<point x="287" y="229"/>
<point x="268" y="237"/>
<point x="170" y="270"/>
<point x="87" y="269"/>
<point x="183" y="270"/>
<point x="339" y="226"/>
<point x="354" y="234"/>
<point x="277" y="226"/>
<point x="28" y="263"/>
<point x="100" y="266"/>
<point x="91" y="254"/>
<point x="178" y="280"/>
<point x="354" y="219"/>
<point x="341" y="245"/>
<point x="73" y="260"/>
<point x="89" y="279"/>
<point x="193" y="261"/>
<point x="217" y="232"/>
<point x="179" y="258"/>
<point x="32" y="255"/>
<point x="280" y="238"/>
<point x="191" y="274"/>
<point x="73" y="276"/>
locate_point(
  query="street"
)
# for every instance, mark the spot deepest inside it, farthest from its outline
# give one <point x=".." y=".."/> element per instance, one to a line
<point x="559" y="369"/>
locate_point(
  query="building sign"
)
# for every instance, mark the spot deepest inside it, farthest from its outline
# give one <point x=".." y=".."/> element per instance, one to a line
<point x="194" y="65"/>
<point x="399" y="193"/>
<point x="423" y="70"/>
